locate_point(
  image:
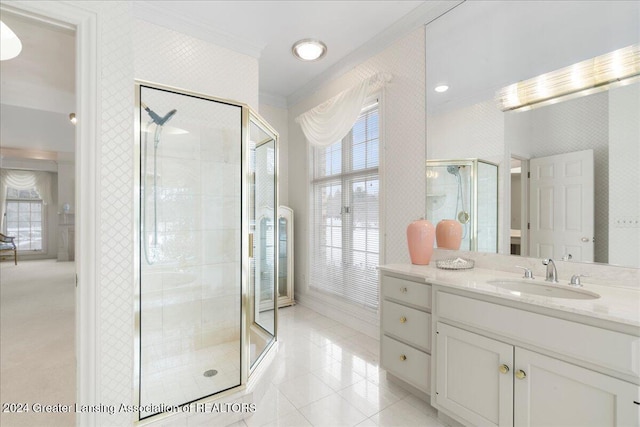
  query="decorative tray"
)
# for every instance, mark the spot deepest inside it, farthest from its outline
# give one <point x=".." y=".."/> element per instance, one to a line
<point x="455" y="263"/>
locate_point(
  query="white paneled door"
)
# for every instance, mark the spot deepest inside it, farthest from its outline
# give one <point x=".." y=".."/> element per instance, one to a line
<point x="562" y="205"/>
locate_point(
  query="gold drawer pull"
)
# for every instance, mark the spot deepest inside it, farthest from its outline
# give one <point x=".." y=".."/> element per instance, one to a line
<point x="521" y="374"/>
<point x="403" y="290"/>
<point x="403" y="319"/>
<point x="504" y="369"/>
<point x="403" y="357"/>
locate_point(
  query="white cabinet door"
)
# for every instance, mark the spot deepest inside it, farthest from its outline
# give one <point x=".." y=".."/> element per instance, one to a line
<point x="556" y="393"/>
<point x="470" y="382"/>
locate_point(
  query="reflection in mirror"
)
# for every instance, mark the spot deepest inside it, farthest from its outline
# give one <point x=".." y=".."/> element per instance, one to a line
<point x="496" y="44"/>
<point x="464" y="192"/>
<point x="262" y="202"/>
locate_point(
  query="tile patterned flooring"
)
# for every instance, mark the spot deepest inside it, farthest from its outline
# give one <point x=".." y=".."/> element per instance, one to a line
<point x="327" y="374"/>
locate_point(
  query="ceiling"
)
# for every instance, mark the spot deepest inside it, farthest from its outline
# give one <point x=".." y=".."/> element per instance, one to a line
<point x="352" y="31"/>
<point x="38" y="87"/>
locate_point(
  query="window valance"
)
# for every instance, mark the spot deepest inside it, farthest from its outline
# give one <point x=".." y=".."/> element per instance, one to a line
<point x="23" y="180"/>
<point x="330" y="121"/>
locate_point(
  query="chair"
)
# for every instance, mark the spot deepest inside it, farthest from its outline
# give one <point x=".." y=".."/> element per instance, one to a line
<point x="7" y="244"/>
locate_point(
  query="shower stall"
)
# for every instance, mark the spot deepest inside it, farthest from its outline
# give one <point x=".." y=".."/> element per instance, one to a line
<point x="206" y="237"/>
<point x="465" y="191"/>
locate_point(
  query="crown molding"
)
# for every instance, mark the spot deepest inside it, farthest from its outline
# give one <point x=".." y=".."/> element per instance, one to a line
<point x="153" y="12"/>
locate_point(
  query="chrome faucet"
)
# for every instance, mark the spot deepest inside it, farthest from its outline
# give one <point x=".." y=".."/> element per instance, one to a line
<point x="552" y="272"/>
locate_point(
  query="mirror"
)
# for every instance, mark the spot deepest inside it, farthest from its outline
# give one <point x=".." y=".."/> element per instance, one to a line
<point x="482" y="46"/>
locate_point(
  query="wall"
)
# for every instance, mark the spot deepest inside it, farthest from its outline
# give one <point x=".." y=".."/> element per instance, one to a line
<point x="278" y="119"/>
<point x="402" y="163"/>
<point x="624" y="175"/>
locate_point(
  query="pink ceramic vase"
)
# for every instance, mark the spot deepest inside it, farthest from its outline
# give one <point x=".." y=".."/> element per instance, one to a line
<point x="449" y="234"/>
<point x="420" y="237"/>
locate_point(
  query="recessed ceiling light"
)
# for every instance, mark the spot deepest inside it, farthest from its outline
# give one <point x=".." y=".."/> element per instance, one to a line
<point x="10" y="43"/>
<point x="309" y="49"/>
<point x="441" y="88"/>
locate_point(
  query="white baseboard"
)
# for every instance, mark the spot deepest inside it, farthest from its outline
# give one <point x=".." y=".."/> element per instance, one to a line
<point x="350" y="315"/>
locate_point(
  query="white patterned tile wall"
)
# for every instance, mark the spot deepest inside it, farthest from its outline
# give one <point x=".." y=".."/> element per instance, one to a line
<point x="403" y="136"/>
<point x="175" y="59"/>
<point x="114" y="192"/>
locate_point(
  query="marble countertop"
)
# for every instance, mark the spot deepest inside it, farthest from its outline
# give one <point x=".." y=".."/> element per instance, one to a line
<point x="616" y="304"/>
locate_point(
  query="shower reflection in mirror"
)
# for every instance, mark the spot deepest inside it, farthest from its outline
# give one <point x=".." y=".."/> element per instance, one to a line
<point x="465" y="191"/>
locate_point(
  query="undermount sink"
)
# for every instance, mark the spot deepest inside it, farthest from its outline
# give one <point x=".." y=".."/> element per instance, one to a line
<point x="544" y="289"/>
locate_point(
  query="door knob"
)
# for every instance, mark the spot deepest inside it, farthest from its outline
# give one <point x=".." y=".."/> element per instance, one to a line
<point x="521" y="374"/>
<point x="585" y="239"/>
<point x="403" y="357"/>
<point x="403" y="290"/>
<point x="504" y="369"/>
<point x="403" y="319"/>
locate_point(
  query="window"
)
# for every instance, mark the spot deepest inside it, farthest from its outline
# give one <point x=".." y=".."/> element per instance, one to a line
<point x="24" y="218"/>
<point x="345" y="231"/>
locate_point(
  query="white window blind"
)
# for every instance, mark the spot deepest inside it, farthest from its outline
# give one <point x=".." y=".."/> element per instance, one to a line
<point x="345" y="230"/>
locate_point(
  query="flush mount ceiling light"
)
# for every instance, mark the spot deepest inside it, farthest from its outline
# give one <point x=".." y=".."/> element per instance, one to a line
<point x="309" y="49"/>
<point x="441" y="88"/>
<point x="10" y="44"/>
<point x="591" y="75"/>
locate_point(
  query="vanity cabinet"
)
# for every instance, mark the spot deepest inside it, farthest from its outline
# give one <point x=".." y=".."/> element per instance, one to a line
<point x="485" y="376"/>
<point x="405" y="341"/>
<point x="474" y="376"/>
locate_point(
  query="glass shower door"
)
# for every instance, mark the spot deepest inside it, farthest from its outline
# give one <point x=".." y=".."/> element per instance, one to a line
<point x="263" y="237"/>
<point x="190" y="247"/>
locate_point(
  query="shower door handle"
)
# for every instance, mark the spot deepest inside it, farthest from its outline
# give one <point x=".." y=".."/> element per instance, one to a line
<point x="250" y="245"/>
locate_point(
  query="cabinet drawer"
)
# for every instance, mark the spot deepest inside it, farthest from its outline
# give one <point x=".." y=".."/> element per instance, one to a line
<point x="407" y="363"/>
<point x="610" y="349"/>
<point x="407" y="324"/>
<point x="414" y="293"/>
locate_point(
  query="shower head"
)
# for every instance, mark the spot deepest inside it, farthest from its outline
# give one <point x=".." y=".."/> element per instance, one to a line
<point x="156" y="118"/>
<point x="453" y="170"/>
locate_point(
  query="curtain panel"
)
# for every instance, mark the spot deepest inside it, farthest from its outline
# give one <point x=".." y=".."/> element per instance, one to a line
<point x="332" y="120"/>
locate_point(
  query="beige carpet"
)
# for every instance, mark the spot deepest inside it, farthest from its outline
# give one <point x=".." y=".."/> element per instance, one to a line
<point x="37" y="340"/>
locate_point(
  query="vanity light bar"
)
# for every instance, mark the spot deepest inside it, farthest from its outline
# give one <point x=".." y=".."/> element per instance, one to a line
<point x="598" y="72"/>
